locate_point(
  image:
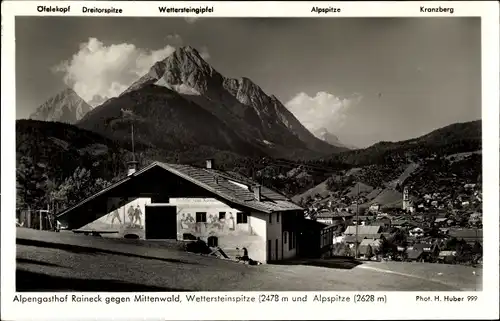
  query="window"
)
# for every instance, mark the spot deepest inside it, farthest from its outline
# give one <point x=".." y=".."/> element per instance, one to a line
<point x="291" y="244"/>
<point x="222" y="215"/>
<point x="241" y="218"/>
<point x="277" y="217"/>
<point x="325" y="240"/>
<point x="276" y="249"/>
<point x="213" y="241"/>
<point x="271" y="218"/>
<point x="285" y="237"/>
<point x="201" y="217"/>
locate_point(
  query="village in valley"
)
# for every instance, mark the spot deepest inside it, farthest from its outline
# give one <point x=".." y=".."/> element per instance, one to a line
<point x="437" y="228"/>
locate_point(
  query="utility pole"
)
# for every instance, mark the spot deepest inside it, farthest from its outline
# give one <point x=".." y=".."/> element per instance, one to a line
<point x="132" y="164"/>
<point x="133" y="148"/>
<point x="357" y="223"/>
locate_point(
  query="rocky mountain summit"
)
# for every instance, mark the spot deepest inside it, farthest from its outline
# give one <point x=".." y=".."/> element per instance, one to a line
<point x="65" y="107"/>
<point x="237" y="105"/>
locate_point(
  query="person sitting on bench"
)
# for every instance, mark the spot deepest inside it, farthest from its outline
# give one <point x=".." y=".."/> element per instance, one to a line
<point x="245" y="255"/>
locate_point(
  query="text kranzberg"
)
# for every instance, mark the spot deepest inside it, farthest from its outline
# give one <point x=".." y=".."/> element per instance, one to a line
<point x="437" y="10"/>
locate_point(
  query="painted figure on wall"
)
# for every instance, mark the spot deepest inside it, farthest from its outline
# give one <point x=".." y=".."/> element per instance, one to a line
<point x="183" y="223"/>
<point x="214" y="222"/>
<point x="189" y="220"/>
<point x="230" y="222"/>
<point x="137" y="217"/>
<point x="130" y="214"/>
<point x="115" y="216"/>
<point x="222" y="222"/>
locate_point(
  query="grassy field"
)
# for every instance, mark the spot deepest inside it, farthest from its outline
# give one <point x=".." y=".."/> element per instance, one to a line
<point x="66" y="262"/>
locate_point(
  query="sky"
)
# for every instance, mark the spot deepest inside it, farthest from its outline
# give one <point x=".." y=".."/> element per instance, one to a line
<point x="364" y="79"/>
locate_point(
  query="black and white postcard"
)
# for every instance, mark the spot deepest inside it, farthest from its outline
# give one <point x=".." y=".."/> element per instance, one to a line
<point x="232" y="160"/>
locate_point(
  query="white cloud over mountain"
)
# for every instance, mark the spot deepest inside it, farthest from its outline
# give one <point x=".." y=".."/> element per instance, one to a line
<point x="324" y="110"/>
<point x="99" y="71"/>
<point x="191" y="19"/>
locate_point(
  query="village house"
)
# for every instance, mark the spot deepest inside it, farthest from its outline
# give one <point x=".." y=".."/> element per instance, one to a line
<point x="368" y="248"/>
<point x="399" y="223"/>
<point x="469" y="235"/>
<point x="422" y="252"/>
<point x="375" y="207"/>
<point x="447" y="257"/>
<point x="172" y="201"/>
<point x="384" y="223"/>
<point x="334" y="217"/>
<point x="389" y="236"/>
<point x="317" y="237"/>
<point x="440" y="222"/>
<point x="475" y="218"/>
<point x="361" y="219"/>
<point x="363" y="232"/>
<point x="416" y="232"/>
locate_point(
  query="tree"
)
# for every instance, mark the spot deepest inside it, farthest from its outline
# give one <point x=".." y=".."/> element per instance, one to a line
<point x="451" y="244"/>
<point x="77" y="187"/>
<point x="369" y="251"/>
<point x="32" y="184"/>
<point x="477" y="251"/>
<point x="464" y="252"/>
<point x="346" y="251"/>
<point x="387" y="248"/>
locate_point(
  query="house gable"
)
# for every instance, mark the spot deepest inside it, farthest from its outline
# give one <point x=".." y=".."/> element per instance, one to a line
<point x="174" y="180"/>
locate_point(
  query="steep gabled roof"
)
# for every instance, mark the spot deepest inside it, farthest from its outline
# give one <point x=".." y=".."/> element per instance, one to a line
<point x="351" y="238"/>
<point x="466" y="233"/>
<point x="414" y="254"/>
<point x="363" y="229"/>
<point x="237" y="190"/>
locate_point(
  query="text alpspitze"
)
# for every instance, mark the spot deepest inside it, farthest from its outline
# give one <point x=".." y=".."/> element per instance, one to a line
<point x="319" y="10"/>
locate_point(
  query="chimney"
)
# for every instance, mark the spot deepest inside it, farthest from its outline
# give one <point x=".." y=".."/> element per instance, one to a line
<point x="132" y="167"/>
<point x="210" y="163"/>
<point x="256" y="192"/>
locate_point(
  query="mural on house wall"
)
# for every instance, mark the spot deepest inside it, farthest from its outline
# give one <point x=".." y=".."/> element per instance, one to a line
<point x="122" y="215"/>
<point x="204" y="217"/>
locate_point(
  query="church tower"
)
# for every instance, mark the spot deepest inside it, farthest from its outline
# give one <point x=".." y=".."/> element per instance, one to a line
<point x="407" y="202"/>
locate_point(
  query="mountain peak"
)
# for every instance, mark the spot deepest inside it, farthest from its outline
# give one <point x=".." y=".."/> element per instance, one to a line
<point x="68" y="91"/>
<point x="66" y="106"/>
<point x="187" y="58"/>
<point x="189" y="49"/>
<point x="183" y="53"/>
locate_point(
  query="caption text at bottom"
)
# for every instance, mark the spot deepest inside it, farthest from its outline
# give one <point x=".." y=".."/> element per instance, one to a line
<point x="197" y="298"/>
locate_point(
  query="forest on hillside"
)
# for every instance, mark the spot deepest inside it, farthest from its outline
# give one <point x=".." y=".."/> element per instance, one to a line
<point x="61" y="163"/>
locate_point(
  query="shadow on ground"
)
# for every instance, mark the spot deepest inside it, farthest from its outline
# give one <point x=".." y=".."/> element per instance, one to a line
<point x="27" y="281"/>
<point x="78" y="249"/>
<point x="344" y="263"/>
<point x="30" y="261"/>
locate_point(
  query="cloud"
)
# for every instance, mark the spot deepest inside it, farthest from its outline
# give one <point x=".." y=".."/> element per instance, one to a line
<point x="323" y="110"/>
<point x="99" y="71"/>
<point x="174" y="40"/>
<point x="204" y="53"/>
<point x="191" y="19"/>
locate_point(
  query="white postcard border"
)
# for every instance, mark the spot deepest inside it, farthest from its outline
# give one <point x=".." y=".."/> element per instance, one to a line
<point x="400" y="304"/>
